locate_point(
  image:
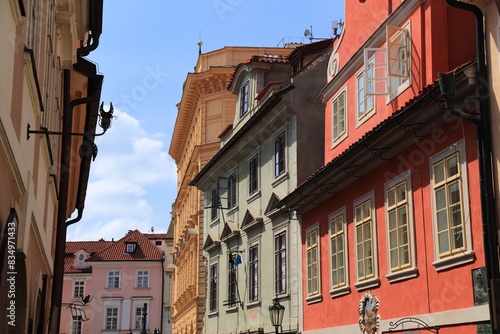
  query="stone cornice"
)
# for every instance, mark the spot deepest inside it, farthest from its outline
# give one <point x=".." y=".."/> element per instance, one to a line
<point x="197" y="85"/>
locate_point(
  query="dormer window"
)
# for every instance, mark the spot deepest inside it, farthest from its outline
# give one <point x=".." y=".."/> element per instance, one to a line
<point x="80" y="258"/>
<point x="244" y="99"/>
<point x="130" y="247"/>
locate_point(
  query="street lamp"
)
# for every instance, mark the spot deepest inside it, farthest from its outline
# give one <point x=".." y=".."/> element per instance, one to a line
<point x="76" y="308"/>
<point x="144" y="315"/>
<point x="276" y="312"/>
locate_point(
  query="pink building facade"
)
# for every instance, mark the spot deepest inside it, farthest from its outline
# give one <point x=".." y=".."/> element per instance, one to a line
<point x="119" y="278"/>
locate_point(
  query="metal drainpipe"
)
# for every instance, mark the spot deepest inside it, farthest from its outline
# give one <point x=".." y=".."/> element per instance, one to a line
<point x="58" y="278"/>
<point x="96" y="10"/>
<point x="484" y="157"/>
<point x="162" y="290"/>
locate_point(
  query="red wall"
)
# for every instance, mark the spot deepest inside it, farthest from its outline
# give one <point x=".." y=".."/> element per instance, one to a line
<point x="430" y="291"/>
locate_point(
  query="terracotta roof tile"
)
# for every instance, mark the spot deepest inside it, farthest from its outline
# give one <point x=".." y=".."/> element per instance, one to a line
<point x="155" y="236"/>
<point x="145" y="250"/>
<point x="90" y="247"/>
<point x="265" y="59"/>
<point x="225" y="131"/>
<point x="267" y="88"/>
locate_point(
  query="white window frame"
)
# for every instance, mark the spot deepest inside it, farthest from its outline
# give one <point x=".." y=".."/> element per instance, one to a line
<point x="343" y="288"/>
<point x="276" y="154"/>
<point x="372" y="280"/>
<point x="130" y="247"/>
<point x="232" y="268"/>
<point x="230" y="204"/>
<point x="74" y="328"/>
<point x="213" y="207"/>
<point x="335" y="140"/>
<point x="210" y="292"/>
<point x="251" y="244"/>
<point x="409" y="270"/>
<point x="244" y="99"/>
<point x="138" y="317"/>
<point x="277" y="264"/>
<point x="255" y="192"/>
<point x="465" y="255"/>
<point x="313" y="296"/>
<point x="82" y="287"/>
<point x="387" y="78"/>
<point x="139" y="304"/>
<point x="361" y="89"/>
<point x="109" y="275"/>
<point x="140" y="273"/>
<point x="107" y="317"/>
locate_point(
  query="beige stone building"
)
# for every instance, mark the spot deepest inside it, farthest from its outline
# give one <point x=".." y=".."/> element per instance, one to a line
<point x="206" y="109"/>
<point x="47" y="87"/>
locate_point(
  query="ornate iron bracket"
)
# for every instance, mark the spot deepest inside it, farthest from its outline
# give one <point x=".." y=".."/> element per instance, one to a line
<point x="76" y="308"/>
<point x="104" y="120"/>
<point x="420" y="325"/>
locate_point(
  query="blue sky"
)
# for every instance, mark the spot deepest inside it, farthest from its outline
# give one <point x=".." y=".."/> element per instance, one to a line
<point x="145" y="52"/>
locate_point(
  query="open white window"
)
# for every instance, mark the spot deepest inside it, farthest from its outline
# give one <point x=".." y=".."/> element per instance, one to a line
<point x="387" y="70"/>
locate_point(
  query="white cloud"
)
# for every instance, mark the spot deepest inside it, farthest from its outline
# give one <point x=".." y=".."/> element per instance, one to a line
<point x="132" y="183"/>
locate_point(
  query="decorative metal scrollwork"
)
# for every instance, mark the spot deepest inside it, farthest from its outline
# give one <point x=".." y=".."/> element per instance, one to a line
<point x="76" y="308"/>
<point x="420" y="324"/>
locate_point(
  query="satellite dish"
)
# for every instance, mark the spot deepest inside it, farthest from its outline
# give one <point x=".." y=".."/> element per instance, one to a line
<point x="307" y="32"/>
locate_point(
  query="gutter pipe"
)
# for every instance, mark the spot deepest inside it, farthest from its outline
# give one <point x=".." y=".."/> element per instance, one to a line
<point x="485" y="160"/>
<point x="95" y="29"/>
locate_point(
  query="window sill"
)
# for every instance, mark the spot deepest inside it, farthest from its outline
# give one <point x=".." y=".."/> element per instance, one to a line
<point x="231" y="309"/>
<point x="340" y="291"/>
<point x="280" y="178"/>
<point x="314" y="299"/>
<point x="213" y="314"/>
<point x="253" y="196"/>
<point x="254" y="303"/>
<point x="232" y="210"/>
<point x="214" y="222"/>
<point x="363" y="119"/>
<point x="338" y="140"/>
<point x="402" y="275"/>
<point x="454" y="260"/>
<point x="142" y="288"/>
<point x="367" y="284"/>
<point x="113" y="288"/>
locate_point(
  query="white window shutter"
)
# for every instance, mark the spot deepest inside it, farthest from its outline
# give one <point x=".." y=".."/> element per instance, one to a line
<point x="397" y="57"/>
<point x="376" y="76"/>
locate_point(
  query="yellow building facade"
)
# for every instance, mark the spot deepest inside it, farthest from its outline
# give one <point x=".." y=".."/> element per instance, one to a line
<point x="205" y="111"/>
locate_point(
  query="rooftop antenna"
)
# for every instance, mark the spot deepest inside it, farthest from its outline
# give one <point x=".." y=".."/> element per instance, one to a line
<point x="336" y="25"/>
<point x="309" y="33"/>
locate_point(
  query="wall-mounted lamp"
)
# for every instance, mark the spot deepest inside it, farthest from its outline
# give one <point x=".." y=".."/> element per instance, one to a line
<point x="458" y="107"/>
<point x="276" y="312"/>
<point x="104" y="121"/>
<point x="447" y="86"/>
<point x="76" y="308"/>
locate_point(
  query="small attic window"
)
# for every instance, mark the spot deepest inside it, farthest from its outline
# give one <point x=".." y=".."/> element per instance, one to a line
<point x="81" y="257"/>
<point x="158" y="243"/>
<point x="130" y="247"/>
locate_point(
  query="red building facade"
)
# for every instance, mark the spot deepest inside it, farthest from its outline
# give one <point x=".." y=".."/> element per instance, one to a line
<point x="391" y="224"/>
